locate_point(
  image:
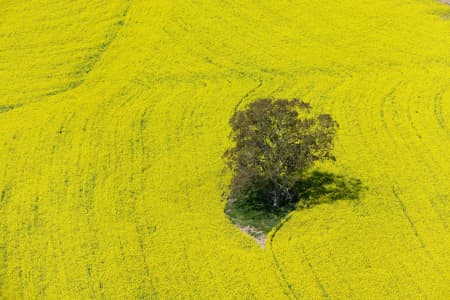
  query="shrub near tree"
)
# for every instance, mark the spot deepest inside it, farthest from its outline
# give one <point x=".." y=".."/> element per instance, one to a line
<point x="275" y="143"/>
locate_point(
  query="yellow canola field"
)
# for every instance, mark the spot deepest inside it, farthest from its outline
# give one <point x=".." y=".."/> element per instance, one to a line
<point x="113" y="120"/>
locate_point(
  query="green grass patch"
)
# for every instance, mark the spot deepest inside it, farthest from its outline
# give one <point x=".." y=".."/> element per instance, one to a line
<point x="243" y="214"/>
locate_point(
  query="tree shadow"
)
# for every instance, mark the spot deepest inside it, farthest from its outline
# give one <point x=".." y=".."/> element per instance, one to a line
<point x="313" y="189"/>
<point x="324" y="187"/>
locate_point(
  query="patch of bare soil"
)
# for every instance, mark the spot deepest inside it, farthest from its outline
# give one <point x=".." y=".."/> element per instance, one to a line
<point x="259" y="236"/>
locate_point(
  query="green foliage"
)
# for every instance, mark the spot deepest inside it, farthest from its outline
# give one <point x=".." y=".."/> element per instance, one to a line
<point x="276" y="141"/>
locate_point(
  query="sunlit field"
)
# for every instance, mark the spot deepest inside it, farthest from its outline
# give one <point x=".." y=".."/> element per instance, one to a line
<point x="114" y="118"/>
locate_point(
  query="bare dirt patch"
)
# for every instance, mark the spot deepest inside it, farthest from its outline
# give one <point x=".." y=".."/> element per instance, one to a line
<point x="259" y="236"/>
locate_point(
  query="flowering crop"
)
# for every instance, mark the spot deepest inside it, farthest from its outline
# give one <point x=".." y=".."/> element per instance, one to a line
<point x="114" y="116"/>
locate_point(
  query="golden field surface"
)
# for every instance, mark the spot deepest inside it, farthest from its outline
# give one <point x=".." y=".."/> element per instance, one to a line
<point x="114" y="117"/>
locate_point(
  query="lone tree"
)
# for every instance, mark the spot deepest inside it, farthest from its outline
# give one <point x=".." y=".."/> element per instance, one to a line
<point x="275" y="142"/>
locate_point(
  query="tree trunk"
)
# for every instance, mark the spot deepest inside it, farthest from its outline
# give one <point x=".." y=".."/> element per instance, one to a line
<point x="275" y="199"/>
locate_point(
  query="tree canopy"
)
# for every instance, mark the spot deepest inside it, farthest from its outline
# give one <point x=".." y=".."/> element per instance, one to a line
<point x="275" y="142"/>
